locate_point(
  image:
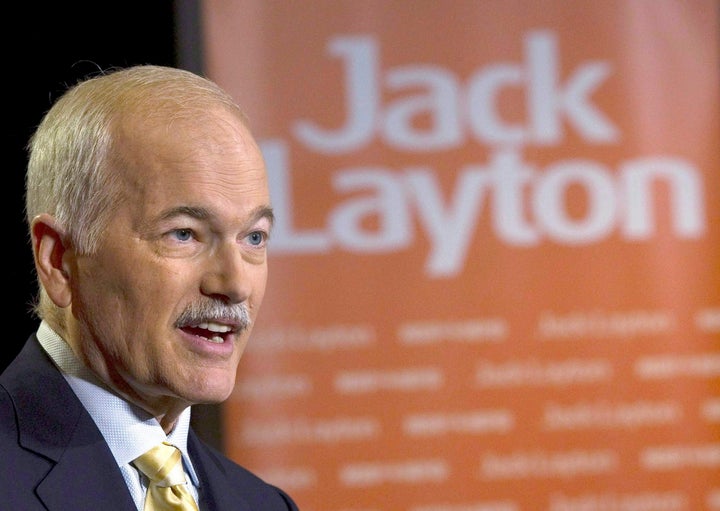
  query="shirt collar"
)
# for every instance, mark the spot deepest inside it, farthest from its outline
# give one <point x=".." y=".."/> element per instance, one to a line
<point x="128" y="430"/>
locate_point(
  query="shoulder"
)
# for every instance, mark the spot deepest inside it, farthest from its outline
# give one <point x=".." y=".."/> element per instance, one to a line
<point x="9" y="435"/>
<point x="8" y="422"/>
<point x="20" y="468"/>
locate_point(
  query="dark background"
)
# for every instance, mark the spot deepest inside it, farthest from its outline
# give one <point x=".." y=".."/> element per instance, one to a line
<point x="53" y="45"/>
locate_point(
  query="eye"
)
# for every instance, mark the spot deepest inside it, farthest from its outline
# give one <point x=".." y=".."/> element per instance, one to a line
<point x="257" y="238"/>
<point x="182" y="234"/>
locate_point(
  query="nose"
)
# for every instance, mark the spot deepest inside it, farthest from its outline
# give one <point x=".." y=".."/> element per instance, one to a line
<point x="227" y="276"/>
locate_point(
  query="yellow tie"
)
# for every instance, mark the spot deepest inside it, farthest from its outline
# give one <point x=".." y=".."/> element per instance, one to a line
<point x="167" y="490"/>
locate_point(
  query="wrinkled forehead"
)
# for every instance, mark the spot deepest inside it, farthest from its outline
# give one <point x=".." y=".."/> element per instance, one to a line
<point x="154" y="113"/>
<point x="214" y="128"/>
<point x="183" y="149"/>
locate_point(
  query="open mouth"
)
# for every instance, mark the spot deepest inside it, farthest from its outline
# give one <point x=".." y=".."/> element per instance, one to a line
<point x="213" y="332"/>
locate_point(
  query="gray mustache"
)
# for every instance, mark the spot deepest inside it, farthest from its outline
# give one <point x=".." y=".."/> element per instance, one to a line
<point x="198" y="312"/>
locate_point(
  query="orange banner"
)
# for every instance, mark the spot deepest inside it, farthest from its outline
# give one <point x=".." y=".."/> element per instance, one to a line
<point x="495" y="271"/>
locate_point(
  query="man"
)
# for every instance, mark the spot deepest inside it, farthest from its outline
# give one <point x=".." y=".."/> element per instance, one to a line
<point x="149" y="214"/>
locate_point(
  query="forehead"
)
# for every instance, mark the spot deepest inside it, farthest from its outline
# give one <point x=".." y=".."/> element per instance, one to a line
<point x="210" y="156"/>
<point x="184" y="129"/>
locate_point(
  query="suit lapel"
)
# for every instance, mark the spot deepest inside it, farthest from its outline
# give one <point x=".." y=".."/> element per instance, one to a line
<point x="86" y="476"/>
<point x="53" y="423"/>
<point x="216" y="492"/>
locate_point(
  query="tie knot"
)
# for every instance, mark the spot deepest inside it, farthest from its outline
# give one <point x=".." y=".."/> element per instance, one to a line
<point x="166" y="491"/>
<point x="162" y="465"/>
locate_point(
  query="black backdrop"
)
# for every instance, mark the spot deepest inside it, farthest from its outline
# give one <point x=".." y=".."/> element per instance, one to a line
<point x="53" y="45"/>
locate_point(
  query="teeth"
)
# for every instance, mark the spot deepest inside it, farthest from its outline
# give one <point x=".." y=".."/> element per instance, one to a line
<point x="217" y="339"/>
<point x="215" y="327"/>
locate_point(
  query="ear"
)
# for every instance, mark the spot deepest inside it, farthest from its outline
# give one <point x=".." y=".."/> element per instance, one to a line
<point x="51" y="258"/>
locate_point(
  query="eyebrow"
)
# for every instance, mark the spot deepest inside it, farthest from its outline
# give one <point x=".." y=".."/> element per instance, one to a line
<point x="201" y="213"/>
<point x="264" y="212"/>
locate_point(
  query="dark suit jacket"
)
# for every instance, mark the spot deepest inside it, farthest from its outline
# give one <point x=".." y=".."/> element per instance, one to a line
<point x="53" y="457"/>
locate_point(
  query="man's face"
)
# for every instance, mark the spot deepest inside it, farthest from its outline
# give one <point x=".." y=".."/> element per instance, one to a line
<point x="190" y="231"/>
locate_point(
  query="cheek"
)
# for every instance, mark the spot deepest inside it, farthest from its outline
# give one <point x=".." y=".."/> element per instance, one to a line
<point x="98" y="286"/>
<point x="126" y="288"/>
<point x="155" y="288"/>
<point x="259" y="289"/>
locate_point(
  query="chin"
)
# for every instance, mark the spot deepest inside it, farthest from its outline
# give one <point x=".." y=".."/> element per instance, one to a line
<point x="211" y="389"/>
